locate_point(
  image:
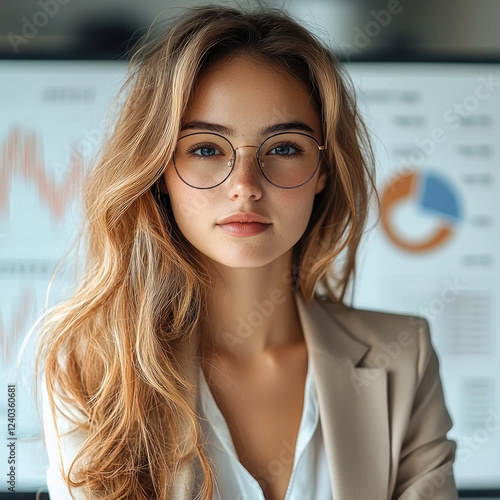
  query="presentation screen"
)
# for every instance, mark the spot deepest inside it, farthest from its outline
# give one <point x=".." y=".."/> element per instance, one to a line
<point x="433" y="248"/>
<point x="433" y="253"/>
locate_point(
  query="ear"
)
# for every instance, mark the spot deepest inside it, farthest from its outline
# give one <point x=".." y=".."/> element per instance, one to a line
<point x="320" y="183"/>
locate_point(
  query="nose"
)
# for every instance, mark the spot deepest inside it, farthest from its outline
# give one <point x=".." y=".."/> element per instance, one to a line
<point x="245" y="179"/>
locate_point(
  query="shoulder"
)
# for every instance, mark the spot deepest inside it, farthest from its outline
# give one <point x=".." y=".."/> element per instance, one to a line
<point x="394" y="340"/>
<point x="371" y="324"/>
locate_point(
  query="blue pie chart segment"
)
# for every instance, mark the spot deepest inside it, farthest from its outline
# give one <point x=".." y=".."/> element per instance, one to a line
<point x="437" y="196"/>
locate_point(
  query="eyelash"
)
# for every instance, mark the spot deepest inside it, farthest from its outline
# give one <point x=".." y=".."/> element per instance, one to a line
<point x="298" y="149"/>
<point x="194" y="148"/>
<point x="290" y="144"/>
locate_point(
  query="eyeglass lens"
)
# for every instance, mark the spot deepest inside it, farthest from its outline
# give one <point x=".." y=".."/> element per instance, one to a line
<point x="205" y="160"/>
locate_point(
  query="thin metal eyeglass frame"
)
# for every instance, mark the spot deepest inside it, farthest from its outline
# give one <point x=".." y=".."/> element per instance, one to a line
<point x="233" y="158"/>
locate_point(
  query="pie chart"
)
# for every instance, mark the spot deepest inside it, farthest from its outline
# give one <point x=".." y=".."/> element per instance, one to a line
<point x="429" y="194"/>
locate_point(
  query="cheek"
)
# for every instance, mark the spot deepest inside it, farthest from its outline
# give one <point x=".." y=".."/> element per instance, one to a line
<point x="295" y="209"/>
<point x="191" y="203"/>
<point x="190" y="206"/>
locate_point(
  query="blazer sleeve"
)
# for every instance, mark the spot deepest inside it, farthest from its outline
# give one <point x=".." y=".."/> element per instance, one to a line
<point x="60" y="456"/>
<point x="426" y="460"/>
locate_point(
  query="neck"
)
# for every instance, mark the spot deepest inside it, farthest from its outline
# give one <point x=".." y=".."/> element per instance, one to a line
<point x="252" y="312"/>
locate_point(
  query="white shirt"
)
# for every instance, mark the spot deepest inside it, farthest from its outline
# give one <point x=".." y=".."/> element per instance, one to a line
<point x="310" y="479"/>
<point x="69" y="447"/>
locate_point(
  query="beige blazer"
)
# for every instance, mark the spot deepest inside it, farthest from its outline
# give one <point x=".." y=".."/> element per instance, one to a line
<point x="381" y="405"/>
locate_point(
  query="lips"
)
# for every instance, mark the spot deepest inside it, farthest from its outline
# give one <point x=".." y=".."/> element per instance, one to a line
<point x="244" y="217"/>
<point x="244" y="228"/>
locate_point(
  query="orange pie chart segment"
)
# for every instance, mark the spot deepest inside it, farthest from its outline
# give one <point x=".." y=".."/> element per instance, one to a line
<point x="431" y="194"/>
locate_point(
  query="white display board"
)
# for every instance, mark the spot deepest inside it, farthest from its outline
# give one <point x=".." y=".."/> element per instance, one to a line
<point x="435" y="252"/>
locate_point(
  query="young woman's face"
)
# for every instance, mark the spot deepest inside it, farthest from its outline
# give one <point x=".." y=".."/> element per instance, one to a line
<point x="246" y="95"/>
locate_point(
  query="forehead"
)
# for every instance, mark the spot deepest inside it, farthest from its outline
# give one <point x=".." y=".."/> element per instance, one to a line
<point x="244" y="92"/>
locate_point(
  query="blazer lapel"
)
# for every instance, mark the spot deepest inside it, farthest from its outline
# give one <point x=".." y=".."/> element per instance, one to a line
<point x="353" y="405"/>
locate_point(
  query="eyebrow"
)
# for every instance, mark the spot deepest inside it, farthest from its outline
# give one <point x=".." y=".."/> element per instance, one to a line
<point x="271" y="129"/>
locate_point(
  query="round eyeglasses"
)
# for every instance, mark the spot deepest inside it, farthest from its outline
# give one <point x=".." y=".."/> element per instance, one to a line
<point x="287" y="159"/>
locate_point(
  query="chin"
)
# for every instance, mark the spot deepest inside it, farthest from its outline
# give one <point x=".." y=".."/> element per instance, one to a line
<point x="243" y="263"/>
<point x="246" y="260"/>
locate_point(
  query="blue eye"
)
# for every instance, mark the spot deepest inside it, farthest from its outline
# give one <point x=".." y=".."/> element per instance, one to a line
<point x="283" y="150"/>
<point x="205" y="149"/>
<point x="286" y="149"/>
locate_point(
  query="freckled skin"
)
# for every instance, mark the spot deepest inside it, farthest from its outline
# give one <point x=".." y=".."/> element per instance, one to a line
<point x="246" y="94"/>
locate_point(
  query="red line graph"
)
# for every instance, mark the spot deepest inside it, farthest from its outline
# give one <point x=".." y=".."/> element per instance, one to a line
<point x="22" y="156"/>
<point x="22" y="318"/>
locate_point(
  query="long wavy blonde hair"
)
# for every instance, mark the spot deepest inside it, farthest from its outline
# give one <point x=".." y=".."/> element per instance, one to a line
<point x="110" y="349"/>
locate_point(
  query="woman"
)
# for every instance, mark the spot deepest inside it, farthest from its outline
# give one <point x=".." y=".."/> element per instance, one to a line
<point x="198" y="355"/>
